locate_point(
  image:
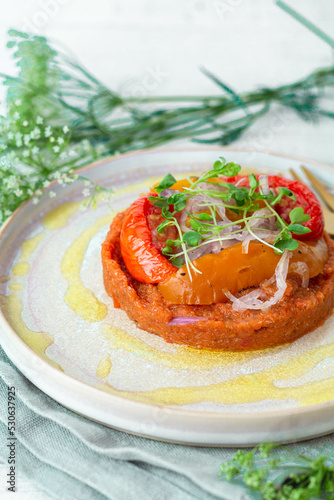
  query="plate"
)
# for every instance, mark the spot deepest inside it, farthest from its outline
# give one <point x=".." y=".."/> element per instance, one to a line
<point x="59" y="326"/>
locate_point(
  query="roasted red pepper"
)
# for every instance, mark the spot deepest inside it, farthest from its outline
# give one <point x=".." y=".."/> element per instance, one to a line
<point x="142" y="258"/>
<point x="305" y="198"/>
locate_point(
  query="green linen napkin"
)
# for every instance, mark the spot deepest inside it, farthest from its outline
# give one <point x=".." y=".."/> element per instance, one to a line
<point x="73" y="458"/>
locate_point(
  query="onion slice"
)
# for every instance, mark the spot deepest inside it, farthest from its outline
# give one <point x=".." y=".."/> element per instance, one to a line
<point x="186" y="320"/>
<point x="253" y="299"/>
<point x="302" y="269"/>
<point x="264" y="184"/>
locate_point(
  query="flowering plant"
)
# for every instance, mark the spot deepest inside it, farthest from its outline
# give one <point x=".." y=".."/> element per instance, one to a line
<point x="36" y="145"/>
<point x="59" y="117"/>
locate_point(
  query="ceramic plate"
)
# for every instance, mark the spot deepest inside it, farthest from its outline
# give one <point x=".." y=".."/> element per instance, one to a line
<point x="59" y="326"/>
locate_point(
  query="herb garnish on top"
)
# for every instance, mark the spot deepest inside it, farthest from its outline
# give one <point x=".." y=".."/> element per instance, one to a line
<point x="243" y="202"/>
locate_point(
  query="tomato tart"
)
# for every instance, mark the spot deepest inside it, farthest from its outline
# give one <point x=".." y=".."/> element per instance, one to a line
<point x="222" y="261"/>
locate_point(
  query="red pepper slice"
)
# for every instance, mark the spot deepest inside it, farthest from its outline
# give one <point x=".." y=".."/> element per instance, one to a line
<point x="142" y="259"/>
<point x="305" y="199"/>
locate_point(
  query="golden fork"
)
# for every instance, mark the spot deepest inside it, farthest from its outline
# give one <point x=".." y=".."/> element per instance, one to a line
<point x="326" y="199"/>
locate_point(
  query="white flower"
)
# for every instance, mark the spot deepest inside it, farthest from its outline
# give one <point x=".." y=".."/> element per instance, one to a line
<point x="52" y="194"/>
<point x="60" y="140"/>
<point x="11" y="182"/>
<point x="35" y="200"/>
<point x="16" y="115"/>
<point x="10" y="136"/>
<point x="67" y="179"/>
<point x="18" y="192"/>
<point x="87" y="182"/>
<point x="52" y="139"/>
<point x="11" y="155"/>
<point x="100" y="149"/>
<point x="46" y="183"/>
<point x="63" y="155"/>
<point x="25" y="153"/>
<point x="72" y="153"/>
<point x="86" y="145"/>
<point x="57" y="175"/>
<point x="25" y="123"/>
<point x="35" y="150"/>
<point x="48" y="131"/>
<point x="56" y="149"/>
<point x="36" y="133"/>
<point x="5" y="161"/>
<point x="39" y="120"/>
<point x="66" y="129"/>
<point x="18" y="102"/>
<point x="86" y="192"/>
<point x="18" y="139"/>
<point x="8" y="213"/>
<point x="26" y="139"/>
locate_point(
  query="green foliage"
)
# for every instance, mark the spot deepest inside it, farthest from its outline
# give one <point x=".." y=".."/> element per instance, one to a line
<point x="297" y="216"/>
<point x="191" y="238"/>
<point x="60" y="117"/>
<point x="166" y="183"/>
<point x="36" y="144"/>
<point x="288" y="477"/>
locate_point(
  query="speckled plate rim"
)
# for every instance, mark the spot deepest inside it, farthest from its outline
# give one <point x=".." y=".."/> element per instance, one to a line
<point x="159" y="422"/>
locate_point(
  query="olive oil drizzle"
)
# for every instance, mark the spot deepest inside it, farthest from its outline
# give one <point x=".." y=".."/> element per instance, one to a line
<point x="78" y="297"/>
<point x="242" y="389"/>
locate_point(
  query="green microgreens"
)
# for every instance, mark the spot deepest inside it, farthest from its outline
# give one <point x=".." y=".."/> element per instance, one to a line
<point x="281" y="477"/>
<point x="166" y="183"/>
<point x="243" y="201"/>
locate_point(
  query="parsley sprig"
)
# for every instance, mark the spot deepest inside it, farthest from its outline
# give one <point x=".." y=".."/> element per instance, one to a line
<point x="289" y="477"/>
<point x="242" y="201"/>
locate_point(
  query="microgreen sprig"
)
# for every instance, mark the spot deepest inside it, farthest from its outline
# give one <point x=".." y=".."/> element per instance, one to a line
<point x="242" y="201"/>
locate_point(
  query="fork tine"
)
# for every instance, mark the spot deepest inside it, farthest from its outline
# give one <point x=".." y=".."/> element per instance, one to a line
<point x="322" y="191"/>
<point x="295" y="175"/>
<point x="328" y="215"/>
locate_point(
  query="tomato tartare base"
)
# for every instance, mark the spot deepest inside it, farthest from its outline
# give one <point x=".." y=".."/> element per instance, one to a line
<point x="218" y="325"/>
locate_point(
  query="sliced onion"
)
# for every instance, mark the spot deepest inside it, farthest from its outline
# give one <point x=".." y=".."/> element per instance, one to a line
<point x="191" y="207"/>
<point x="198" y="252"/>
<point x="166" y="193"/>
<point x="264" y="184"/>
<point x="253" y="300"/>
<point x="246" y="242"/>
<point x="259" y="223"/>
<point x="262" y="226"/>
<point x="198" y="203"/>
<point x="186" y="320"/>
<point x="302" y="269"/>
<point x="211" y="187"/>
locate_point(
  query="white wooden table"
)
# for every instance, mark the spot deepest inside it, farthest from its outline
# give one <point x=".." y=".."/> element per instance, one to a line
<point x="156" y="47"/>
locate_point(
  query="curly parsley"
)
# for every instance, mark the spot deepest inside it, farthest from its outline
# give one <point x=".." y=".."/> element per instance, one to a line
<point x="290" y="476"/>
